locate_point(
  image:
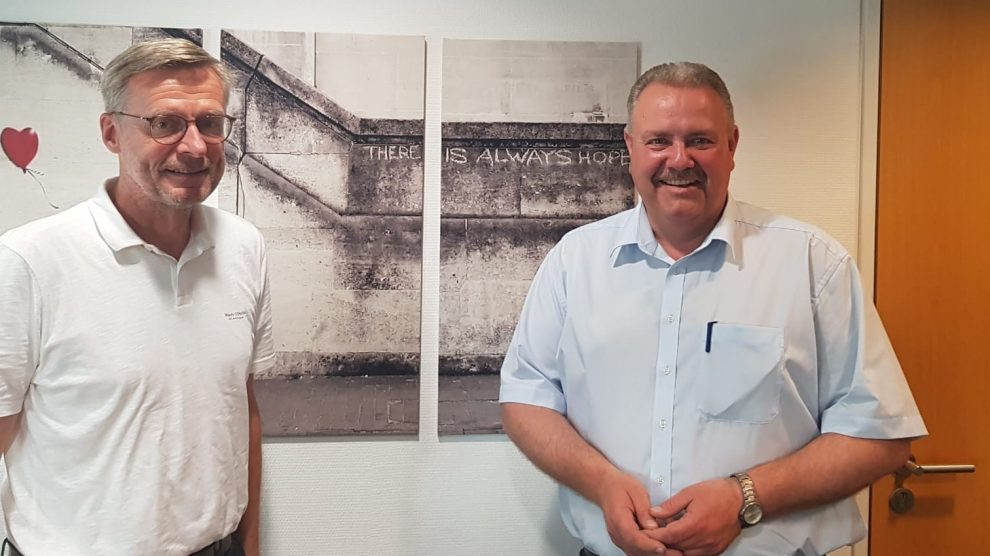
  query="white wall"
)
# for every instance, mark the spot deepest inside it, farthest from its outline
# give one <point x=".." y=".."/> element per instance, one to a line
<point x="796" y="71"/>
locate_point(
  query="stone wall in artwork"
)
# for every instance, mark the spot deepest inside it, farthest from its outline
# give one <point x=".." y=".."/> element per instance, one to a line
<point x="510" y="192"/>
<point x="339" y="200"/>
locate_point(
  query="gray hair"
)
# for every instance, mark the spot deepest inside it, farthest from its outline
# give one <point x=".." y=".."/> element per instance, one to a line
<point x="155" y="55"/>
<point x="681" y="74"/>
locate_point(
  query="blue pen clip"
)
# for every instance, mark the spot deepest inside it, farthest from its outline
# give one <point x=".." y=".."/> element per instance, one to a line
<point x="708" y="336"/>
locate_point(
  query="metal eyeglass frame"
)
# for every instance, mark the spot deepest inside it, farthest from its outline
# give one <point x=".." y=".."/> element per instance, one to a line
<point x="213" y="139"/>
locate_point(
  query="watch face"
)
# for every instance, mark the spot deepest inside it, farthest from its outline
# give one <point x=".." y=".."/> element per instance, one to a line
<point x="752" y="514"/>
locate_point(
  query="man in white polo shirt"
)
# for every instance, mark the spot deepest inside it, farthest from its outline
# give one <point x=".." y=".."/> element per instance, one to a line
<point x="130" y="330"/>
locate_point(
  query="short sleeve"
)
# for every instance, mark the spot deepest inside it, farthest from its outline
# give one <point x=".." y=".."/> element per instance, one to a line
<point x="862" y="389"/>
<point x="20" y="330"/>
<point x="530" y="372"/>
<point x="263" y="357"/>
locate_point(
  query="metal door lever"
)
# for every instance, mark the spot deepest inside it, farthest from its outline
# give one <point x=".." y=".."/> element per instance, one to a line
<point x="902" y="499"/>
<point x="912" y="468"/>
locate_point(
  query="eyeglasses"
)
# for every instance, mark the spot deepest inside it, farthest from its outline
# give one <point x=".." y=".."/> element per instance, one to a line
<point x="169" y="129"/>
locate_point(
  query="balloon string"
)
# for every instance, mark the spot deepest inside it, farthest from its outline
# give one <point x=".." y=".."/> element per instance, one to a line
<point x="34" y="174"/>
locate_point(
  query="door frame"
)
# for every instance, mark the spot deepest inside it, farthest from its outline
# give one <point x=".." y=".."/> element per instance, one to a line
<point x="870" y="20"/>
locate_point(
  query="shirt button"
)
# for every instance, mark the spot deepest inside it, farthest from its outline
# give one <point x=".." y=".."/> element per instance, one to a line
<point x="663" y="424"/>
<point x="666" y="369"/>
<point x="659" y="480"/>
<point x="670" y="317"/>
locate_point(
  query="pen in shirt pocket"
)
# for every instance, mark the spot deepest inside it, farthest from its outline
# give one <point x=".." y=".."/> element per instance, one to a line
<point x="708" y="336"/>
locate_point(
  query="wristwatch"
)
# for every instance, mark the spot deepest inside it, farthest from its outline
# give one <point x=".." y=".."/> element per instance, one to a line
<point x="751" y="512"/>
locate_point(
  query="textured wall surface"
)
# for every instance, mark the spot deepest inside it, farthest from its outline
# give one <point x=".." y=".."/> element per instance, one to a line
<point x="338" y="198"/>
<point x="510" y="192"/>
<point x="532" y="148"/>
<point x="537" y="81"/>
<point x="372" y="76"/>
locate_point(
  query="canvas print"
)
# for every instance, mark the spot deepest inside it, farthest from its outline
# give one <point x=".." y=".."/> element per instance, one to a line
<point x="532" y="148"/>
<point x="50" y="105"/>
<point x="326" y="160"/>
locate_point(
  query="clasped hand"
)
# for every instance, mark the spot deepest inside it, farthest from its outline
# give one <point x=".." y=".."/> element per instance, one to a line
<point x="700" y="520"/>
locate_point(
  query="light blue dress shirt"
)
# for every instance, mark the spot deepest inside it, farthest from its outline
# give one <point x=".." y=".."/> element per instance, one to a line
<point x="682" y="371"/>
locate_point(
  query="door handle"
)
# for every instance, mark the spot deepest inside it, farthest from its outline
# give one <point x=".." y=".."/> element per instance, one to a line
<point x="902" y="499"/>
<point x="912" y="468"/>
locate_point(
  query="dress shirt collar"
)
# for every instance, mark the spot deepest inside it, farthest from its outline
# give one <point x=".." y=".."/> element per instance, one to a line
<point x="118" y="235"/>
<point x="636" y="230"/>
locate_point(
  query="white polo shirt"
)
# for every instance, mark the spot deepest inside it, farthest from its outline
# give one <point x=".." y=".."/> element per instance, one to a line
<point x="130" y="368"/>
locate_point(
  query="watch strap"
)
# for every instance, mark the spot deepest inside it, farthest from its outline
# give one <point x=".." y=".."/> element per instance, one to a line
<point x="749" y="496"/>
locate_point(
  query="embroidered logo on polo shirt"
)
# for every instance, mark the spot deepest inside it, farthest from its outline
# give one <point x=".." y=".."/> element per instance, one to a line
<point x="237" y="315"/>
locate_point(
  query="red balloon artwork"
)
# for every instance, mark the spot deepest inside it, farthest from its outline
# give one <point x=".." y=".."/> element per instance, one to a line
<point x="19" y="146"/>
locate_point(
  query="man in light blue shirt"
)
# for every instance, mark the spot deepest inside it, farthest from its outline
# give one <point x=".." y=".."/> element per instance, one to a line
<point x="700" y="375"/>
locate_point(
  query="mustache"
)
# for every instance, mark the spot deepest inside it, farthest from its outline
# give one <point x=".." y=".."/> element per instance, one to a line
<point x="691" y="174"/>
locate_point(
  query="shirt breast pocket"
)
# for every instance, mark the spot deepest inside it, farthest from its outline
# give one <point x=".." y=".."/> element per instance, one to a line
<point x="742" y="374"/>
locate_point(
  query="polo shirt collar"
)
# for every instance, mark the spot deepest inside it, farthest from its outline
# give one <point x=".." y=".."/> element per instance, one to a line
<point x="636" y="230"/>
<point x="118" y="235"/>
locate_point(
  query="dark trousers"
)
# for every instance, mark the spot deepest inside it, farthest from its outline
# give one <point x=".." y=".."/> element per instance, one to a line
<point x="586" y="552"/>
<point x="227" y="546"/>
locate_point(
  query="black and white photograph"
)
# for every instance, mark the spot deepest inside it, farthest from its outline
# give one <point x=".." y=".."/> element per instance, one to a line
<point x="532" y="148"/>
<point x="49" y="108"/>
<point x="326" y="159"/>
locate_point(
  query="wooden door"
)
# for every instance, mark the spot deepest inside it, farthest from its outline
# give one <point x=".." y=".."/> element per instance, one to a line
<point x="933" y="263"/>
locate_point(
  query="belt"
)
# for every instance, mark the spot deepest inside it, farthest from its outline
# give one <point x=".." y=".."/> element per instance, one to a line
<point x="8" y="549"/>
<point x="220" y="548"/>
